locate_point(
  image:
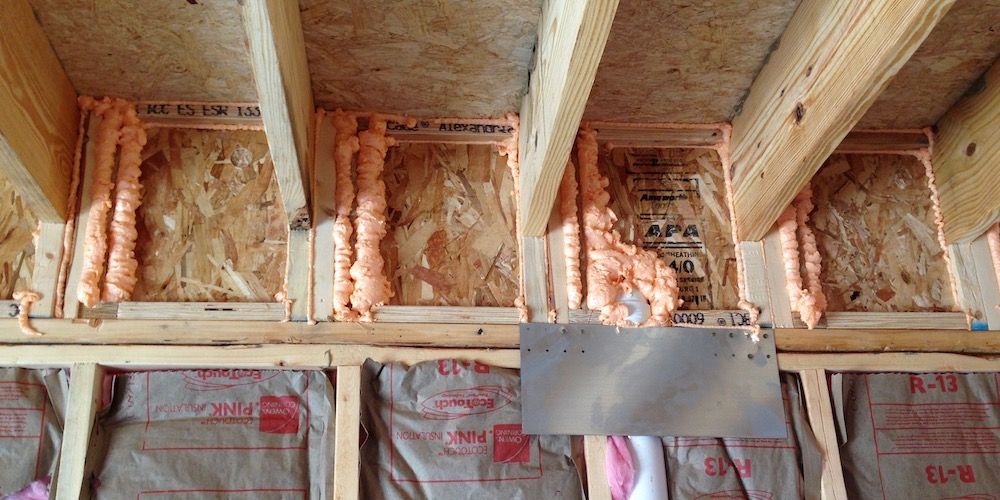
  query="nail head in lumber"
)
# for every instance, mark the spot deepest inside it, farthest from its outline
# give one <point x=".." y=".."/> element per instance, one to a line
<point x="966" y="159"/>
<point x="84" y="397"/>
<point x="278" y="56"/>
<point x="595" y="450"/>
<point x="833" y="60"/>
<point x="347" y="459"/>
<point x="571" y="39"/>
<point x="821" y="419"/>
<point x="38" y="114"/>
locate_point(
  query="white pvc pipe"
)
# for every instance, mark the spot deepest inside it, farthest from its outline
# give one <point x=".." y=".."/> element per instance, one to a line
<point x="650" y="471"/>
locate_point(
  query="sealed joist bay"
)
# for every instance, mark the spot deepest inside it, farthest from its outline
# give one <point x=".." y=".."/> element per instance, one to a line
<point x="451" y="217"/>
<point x="875" y="228"/>
<point x="211" y="225"/>
<point x="17" y="248"/>
<point x="672" y="201"/>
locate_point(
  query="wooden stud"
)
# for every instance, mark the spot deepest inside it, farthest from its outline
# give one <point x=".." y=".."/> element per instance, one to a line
<point x="45" y="274"/>
<point x="278" y="56"/>
<point x="571" y="39"/>
<point x="297" y="277"/>
<point x="966" y="155"/>
<point x="595" y="450"/>
<point x="536" y="295"/>
<point x="324" y="216"/>
<point x="38" y="114"/>
<point x="85" y="385"/>
<point x="774" y="265"/>
<point x="347" y="459"/>
<point x="967" y="287"/>
<point x="833" y="60"/>
<point x="755" y="278"/>
<point x="989" y="287"/>
<point x="821" y="419"/>
<point x="71" y="305"/>
<point x="557" y="267"/>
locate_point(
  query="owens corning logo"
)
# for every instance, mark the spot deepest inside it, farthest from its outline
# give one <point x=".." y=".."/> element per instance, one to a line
<point x="460" y="403"/>
<point x="217" y="380"/>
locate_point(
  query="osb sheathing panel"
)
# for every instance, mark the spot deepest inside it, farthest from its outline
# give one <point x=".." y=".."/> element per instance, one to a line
<point x="685" y="61"/>
<point x="451" y="216"/>
<point x="153" y="49"/>
<point x="874" y="223"/>
<point x="467" y="58"/>
<point x="672" y="201"/>
<point x="17" y="248"/>
<point x="211" y="225"/>
<point x="962" y="46"/>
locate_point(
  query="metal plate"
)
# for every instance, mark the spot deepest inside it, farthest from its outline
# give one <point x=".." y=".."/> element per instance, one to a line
<point x="598" y="380"/>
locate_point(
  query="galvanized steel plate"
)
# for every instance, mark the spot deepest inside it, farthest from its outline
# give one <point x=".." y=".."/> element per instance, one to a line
<point x="598" y="380"/>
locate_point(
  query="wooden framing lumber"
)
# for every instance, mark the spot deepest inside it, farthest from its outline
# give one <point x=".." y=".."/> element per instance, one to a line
<point x="324" y="216"/>
<point x="571" y="39"/>
<point x="883" y="141"/>
<point x="595" y="451"/>
<point x="71" y="305"/>
<point x="965" y="158"/>
<point x="469" y="335"/>
<point x="536" y="294"/>
<point x="45" y="273"/>
<point x="278" y="57"/>
<point x="81" y="410"/>
<point x="38" y="114"/>
<point x="833" y="60"/>
<point x="976" y="283"/>
<point x="270" y="356"/>
<point x="347" y="460"/>
<point x="816" y="394"/>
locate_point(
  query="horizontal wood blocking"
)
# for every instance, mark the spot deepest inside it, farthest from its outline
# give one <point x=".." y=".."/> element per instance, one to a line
<point x="482" y="336"/>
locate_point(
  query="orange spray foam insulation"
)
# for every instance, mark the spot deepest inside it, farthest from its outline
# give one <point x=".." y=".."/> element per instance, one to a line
<point x="616" y="268"/>
<point x="797" y="239"/>
<point x="115" y="241"/>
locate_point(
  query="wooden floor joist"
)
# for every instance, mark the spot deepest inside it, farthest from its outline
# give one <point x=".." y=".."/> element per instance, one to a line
<point x="832" y="61"/>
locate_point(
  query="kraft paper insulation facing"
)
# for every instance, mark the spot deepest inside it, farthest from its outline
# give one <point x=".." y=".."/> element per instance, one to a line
<point x="211" y="227"/>
<point x="927" y="435"/>
<point x="875" y="227"/>
<point x="17" y="246"/>
<point x="32" y="412"/>
<point x="703" y="467"/>
<point x="220" y="433"/>
<point x="445" y="428"/>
